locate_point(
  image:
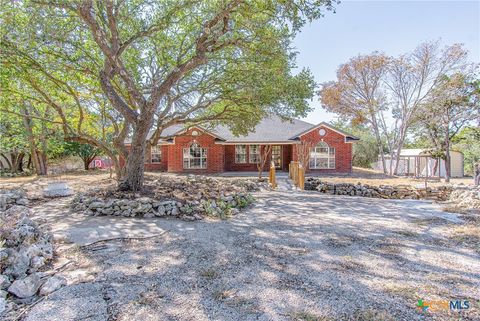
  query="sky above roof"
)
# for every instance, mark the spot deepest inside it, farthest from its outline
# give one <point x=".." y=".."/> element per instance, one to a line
<point x="392" y="27"/>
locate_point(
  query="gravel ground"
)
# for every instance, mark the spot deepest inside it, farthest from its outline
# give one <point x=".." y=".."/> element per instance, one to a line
<point x="293" y="256"/>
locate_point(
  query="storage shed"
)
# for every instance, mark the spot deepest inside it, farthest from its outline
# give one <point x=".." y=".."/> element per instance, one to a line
<point x="418" y="163"/>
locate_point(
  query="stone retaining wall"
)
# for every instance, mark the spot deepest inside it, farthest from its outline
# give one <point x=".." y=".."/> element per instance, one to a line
<point x="383" y="191"/>
<point x="149" y="207"/>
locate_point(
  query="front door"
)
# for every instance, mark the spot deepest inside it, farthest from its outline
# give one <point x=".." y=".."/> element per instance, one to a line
<point x="277" y="156"/>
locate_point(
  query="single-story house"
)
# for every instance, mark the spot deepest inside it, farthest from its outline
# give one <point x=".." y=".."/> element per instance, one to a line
<point x="200" y="150"/>
<point x="418" y="162"/>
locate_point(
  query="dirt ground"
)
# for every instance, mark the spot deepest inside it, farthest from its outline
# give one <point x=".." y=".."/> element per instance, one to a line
<point x="85" y="180"/>
<point x="292" y="256"/>
<point x="371" y="177"/>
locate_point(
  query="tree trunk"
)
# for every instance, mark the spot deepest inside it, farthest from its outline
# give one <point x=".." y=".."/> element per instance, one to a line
<point x="20" y="162"/>
<point x="447" y="156"/>
<point x="379" y="143"/>
<point x="476" y="174"/>
<point x="135" y="166"/>
<point x="86" y="162"/>
<point x="27" y="122"/>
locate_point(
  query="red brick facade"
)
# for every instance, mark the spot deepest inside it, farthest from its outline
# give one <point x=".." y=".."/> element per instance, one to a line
<point x="215" y="152"/>
<point x="343" y="150"/>
<point x="221" y="157"/>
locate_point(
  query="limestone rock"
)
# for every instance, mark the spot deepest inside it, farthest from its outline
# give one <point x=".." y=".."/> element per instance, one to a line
<point x="52" y="284"/>
<point x="26" y="287"/>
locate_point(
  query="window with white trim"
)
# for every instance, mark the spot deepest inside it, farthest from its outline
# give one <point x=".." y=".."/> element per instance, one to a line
<point x="156" y="154"/>
<point x="322" y="156"/>
<point x="240" y="154"/>
<point x="194" y="157"/>
<point x="254" y="154"/>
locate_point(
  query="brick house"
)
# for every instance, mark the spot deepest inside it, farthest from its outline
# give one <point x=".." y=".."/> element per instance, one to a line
<point x="200" y="150"/>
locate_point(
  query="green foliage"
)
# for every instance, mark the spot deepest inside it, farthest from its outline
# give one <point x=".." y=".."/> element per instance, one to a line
<point x="244" y="201"/>
<point x="12" y="134"/>
<point x="365" y="151"/>
<point x="468" y="142"/>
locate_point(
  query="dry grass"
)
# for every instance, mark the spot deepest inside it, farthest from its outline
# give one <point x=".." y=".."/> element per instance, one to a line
<point x="307" y="316"/>
<point x="224" y="294"/>
<point x="372" y="315"/>
<point x="209" y="274"/>
<point x="375" y="178"/>
<point x="468" y="234"/>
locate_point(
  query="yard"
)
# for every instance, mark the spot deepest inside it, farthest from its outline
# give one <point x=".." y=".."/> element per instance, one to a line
<point x="292" y="256"/>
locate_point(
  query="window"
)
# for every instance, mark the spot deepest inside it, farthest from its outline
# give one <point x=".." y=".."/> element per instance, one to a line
<point x="254" y="154"/>
<point x="322" y="156"/>
<point x="240" y="154"/>
<point x="156" y="154"/>
<point x="194" y="157"/>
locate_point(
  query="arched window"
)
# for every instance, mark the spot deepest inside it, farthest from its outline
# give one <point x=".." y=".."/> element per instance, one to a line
<point x="322" y="156"/>
<point x="194" y="157"/>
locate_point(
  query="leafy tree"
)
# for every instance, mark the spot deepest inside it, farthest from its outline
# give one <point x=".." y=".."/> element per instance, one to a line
<point x="161" y="63"/>
<point x="454" y="104"/>
<point x="364" y="151"/>
<point x="85" y="151"/>
<point x="387" y="94"/>
<point x="358" y="95"/>
<point x="468" y="141"/>
<point x="13" y="146"/>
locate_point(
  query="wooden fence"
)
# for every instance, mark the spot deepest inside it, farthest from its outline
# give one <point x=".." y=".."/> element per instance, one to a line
<point x="296" y="172"/>
<point x="272" y="179"/>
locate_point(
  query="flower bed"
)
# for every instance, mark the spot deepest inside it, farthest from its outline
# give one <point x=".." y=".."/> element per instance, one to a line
<point x="189" y="198"/>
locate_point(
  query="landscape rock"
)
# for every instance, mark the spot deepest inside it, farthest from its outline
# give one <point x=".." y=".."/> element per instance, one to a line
<point x="26" y="287"/>
<point x="187" y="198"/>
<point x="440" y="193"/>
<point x="3" y="305"/>
<point x="57" y="189"/>
<point x="4" y="282"/>
<point x="52" y="284"/>
<point x="9" y="198"/>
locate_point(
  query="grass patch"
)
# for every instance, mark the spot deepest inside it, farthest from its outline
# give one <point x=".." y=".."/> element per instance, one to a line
<point x="209" y="274"/>
<point x="406" y="233"/>
<point x="223" y="294"/>
<point x="468" y="234"/>
<point x="349" y="264"/>
<point x="372" y="315"/>
<point x="428" y="221"/>
<point x="307" y="316"/>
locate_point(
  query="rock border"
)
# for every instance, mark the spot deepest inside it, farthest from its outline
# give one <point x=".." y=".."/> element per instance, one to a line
<point x="441" y="193"/>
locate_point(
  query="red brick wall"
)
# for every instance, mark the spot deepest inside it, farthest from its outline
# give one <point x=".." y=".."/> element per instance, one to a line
<point x="230" y="164"/>
<point x="149" y="166"/>
<point x="215" y="153"/>
<point x="343" y="151"/>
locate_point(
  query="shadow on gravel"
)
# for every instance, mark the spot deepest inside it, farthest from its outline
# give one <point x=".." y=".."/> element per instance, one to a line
<point x="292" y="256"/>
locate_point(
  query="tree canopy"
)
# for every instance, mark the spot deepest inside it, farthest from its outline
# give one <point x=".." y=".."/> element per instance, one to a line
<point x="137" y="66"/>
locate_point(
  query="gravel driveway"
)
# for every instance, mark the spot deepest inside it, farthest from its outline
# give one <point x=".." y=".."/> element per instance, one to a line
<point x="293" y="256"/>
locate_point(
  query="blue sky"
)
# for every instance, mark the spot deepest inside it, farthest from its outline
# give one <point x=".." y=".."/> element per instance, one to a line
<point x="392" y="27"/>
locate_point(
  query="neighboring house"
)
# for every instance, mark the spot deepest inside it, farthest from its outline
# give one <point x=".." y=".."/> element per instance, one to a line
<point x="418" y="163"/>
<point x="101" y="162"/>
<point x="197" y="149"/>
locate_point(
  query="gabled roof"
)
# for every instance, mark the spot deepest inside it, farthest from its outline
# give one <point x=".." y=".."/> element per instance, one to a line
<point x="348" y="137"/>
<point x="270" y="129"/>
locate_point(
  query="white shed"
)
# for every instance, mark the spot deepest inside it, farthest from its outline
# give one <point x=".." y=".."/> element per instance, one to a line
<point x="415" y="162"/>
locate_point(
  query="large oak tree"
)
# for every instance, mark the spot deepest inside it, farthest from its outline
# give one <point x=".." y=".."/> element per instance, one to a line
<point x="161" y="63"/>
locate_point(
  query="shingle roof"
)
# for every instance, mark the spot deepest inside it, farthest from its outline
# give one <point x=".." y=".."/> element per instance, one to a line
<point x="270" y="129"/>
